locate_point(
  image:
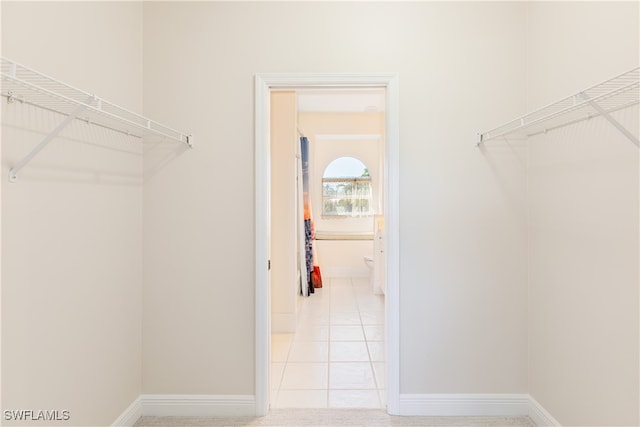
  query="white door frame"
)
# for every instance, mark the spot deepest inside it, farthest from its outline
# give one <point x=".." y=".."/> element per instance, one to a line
<point x="264" y="83"/>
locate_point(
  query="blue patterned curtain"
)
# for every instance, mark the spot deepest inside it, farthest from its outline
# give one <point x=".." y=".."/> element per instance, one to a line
<point x="308" y="232"/>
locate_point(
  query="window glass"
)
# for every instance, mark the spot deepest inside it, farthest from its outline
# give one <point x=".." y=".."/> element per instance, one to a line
<point x="346" y="188"/>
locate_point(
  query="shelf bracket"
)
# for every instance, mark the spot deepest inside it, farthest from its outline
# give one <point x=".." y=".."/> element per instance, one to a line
<point x="13" y="173"/>
<point x="611" y="120"/>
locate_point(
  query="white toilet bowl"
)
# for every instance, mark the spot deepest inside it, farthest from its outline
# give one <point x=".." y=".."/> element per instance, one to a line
<point x="369" y="261"/>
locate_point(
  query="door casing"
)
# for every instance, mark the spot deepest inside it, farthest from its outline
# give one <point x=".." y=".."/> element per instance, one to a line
<point x="264" y="83"/>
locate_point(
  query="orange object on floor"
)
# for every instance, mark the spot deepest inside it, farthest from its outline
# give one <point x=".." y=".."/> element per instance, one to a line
<point x="316" y="278"/>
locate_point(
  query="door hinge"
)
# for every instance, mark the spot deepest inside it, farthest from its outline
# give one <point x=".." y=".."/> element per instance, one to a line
<point x="269" y="264"/>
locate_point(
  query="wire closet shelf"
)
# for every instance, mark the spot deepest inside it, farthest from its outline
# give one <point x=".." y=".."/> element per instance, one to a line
<point x="600" y="100"/>
<point x="24" y="85"/>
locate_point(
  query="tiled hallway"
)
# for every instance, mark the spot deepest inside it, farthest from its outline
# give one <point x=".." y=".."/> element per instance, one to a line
<point x="336" y="357"/>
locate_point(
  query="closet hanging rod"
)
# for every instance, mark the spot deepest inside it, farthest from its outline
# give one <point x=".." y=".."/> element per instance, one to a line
<point x="25" y="85"/>
<point x="602" y="99"/>
<point x="11" y="98"/>
<point x="574" y="121"/>
<point x="42" y="90"/>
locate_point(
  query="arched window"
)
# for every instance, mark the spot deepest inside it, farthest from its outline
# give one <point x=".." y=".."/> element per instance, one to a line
<point x="346" y="188"/>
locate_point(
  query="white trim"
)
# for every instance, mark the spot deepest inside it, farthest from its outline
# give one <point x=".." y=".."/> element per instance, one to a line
<point x="392" y="221"/>
<point x="348" y="137"/>
<point x="440" y="405"/>
<point x="452" y="405"/>
<point x="263" y="85"/>
<point x="130" y="415"/>
<point x="539" y="415"/>
<point x="284" y="323"/>
<point x="190" y="405"/>
<point x="262" y="212"/>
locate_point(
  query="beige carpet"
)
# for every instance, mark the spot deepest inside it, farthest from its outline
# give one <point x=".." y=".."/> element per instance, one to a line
<point x="334" y="417"/>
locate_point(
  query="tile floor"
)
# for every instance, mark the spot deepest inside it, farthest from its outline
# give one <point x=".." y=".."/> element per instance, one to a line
<point x="336" y="357"/>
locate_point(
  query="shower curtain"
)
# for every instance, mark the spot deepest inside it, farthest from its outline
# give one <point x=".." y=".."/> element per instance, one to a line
<point x="314" y="279"/>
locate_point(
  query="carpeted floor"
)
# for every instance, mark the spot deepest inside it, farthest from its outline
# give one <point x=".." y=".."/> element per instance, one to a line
<point x="334" y="417"/>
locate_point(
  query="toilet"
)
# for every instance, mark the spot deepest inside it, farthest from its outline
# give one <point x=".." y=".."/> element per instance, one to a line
<point x="369" y="261"/>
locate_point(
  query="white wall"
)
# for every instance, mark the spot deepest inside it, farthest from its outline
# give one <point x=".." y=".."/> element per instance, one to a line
<point x="71" y="226"/>
<point x="583" y="220"/>
<point x="463" y="236"/>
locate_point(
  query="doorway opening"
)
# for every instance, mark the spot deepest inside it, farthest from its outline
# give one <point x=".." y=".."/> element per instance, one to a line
<point x="355" y="288"/>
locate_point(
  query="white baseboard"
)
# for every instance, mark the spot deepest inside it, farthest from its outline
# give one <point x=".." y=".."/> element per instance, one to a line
<point x="283" y="323"/>
<point x="184" y="405"/>
<point x="540" y="416"/>
<point x="130" y="415"/>
<point x="445" y="405"/>
<point x="441" y="405"/>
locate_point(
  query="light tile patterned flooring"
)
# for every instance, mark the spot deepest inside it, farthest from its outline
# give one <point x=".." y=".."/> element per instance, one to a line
<point x="336" y="357"/>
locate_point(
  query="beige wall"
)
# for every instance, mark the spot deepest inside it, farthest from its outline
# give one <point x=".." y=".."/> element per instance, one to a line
<point x="463" y="236"/>
<point x="71" y="226"/>
<point x="323" y="131"/>
<point x="583" y="221"/>
<point x="344" y="258"/>
<point x="284" y="283"/>
<point x="471" y="246"/>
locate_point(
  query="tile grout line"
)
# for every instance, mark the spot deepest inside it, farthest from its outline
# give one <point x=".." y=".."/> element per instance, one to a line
<point x="358" y="297"/>
<point x="329" y="348"/>
<point x="366" y="341"/>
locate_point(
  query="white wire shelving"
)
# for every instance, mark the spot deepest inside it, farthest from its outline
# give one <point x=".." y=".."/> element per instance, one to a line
<point x="21" y="84"/>
<point x="600" y="100"/>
